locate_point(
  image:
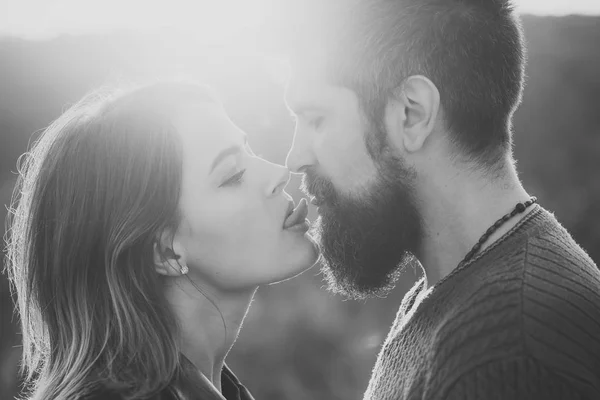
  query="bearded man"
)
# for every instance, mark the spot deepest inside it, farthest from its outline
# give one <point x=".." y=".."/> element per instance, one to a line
<point x="403" y="133"/>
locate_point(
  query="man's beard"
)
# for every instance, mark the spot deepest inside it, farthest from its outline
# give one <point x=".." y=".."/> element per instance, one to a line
<point x="367" y="241"/>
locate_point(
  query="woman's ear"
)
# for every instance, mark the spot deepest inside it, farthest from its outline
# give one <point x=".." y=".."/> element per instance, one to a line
<point x="169" y="258"/>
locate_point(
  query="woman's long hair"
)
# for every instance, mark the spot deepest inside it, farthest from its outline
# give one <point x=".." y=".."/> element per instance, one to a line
<point x="93" y="195"/>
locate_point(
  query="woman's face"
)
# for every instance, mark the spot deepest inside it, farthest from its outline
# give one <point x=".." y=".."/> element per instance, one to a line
<point x="233" y="207"/>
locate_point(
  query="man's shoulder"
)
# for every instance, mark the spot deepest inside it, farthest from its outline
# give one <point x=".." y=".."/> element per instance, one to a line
<point x="554" y="250"/>
<point x="541" y="301"/>
<point x="561" y="283"/>
<point x="544" y="257"/>
<point x="561" y="305"/>
<point x="542" y="276"/>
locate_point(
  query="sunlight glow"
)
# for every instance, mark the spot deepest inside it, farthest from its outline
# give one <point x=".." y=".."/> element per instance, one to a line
<point x="213" y="21"/>
<point x="210" y="21"/>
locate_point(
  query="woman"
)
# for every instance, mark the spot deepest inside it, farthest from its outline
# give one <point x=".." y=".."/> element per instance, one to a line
<point x="141" y="228"/>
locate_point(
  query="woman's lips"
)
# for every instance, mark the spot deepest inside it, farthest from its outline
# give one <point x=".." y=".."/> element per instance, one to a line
<point x="297" y="215"/>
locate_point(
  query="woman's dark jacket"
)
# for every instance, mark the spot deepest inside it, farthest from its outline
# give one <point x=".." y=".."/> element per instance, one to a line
<point x="231" y="389"/>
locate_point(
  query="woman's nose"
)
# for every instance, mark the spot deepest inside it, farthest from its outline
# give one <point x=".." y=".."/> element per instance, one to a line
<point x="279" y="180"/>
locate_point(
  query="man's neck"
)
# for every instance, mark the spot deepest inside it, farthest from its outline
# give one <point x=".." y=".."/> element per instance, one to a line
<point x="458" y="209"/>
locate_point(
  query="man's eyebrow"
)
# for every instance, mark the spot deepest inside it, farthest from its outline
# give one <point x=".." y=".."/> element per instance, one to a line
<point x="224" y="154"/>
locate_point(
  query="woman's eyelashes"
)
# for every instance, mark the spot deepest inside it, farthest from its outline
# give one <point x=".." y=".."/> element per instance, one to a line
<point x="234" y="180"/>
<point x="237" y="178"/>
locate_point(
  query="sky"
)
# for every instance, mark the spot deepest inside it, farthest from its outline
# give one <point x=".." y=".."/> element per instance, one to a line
<point x="559" y="7"/>
<point x="207" y="18"/>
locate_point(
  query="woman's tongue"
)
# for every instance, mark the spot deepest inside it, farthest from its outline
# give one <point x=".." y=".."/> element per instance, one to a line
<point x="297" y="215"/>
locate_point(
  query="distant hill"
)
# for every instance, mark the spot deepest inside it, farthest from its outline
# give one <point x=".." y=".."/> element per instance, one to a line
<point x="557" y="128"/>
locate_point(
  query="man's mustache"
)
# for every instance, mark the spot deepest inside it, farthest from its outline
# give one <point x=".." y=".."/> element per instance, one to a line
<point x="319" y="188"/>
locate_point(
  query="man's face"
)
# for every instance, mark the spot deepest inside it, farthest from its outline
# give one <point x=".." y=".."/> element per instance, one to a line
<point x="368" y="223"/>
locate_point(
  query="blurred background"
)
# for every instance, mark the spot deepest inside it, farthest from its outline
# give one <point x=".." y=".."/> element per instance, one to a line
<point x="298" y="341"/>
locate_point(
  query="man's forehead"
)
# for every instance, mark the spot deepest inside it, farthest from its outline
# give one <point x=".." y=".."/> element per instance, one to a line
<point x="306" y="90"/>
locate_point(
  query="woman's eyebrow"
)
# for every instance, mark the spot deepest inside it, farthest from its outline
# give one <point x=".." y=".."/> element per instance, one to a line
<point x="229" y="151"/>
<point x="232" y="150"/>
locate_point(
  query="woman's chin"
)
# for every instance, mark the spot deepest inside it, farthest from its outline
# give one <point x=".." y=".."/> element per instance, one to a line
<point x="302" y="261"/>
<point x="313" y="252"/>
<point x="293" y="275"/>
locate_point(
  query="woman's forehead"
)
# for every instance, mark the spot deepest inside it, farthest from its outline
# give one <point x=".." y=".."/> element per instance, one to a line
<point x="205" y="131"/>
<point x="206" y="124"/>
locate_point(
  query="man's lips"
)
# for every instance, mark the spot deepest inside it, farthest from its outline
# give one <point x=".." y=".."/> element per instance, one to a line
<point x="315" y="201"/>
<point x="296" y="215"/>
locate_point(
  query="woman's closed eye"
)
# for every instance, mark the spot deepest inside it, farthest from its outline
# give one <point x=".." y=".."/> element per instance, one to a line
<point x="234" y="180"/>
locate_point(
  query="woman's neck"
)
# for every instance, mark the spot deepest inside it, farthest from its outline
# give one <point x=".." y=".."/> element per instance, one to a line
<point x="209" y="328"/>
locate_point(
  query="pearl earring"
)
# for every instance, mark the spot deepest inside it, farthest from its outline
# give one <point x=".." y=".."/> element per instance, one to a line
<point x="184" y="269"/>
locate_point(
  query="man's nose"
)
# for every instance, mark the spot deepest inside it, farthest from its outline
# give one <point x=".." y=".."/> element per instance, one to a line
<point x="280" y="179"/>
<point x="300" y="156"/>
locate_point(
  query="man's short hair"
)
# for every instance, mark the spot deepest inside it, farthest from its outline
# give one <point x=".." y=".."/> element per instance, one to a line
<point x="472" y="50"/>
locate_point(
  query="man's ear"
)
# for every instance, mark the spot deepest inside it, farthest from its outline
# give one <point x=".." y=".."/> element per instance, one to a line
<point x="412" y="112"/>
<point x="169" y="257"/>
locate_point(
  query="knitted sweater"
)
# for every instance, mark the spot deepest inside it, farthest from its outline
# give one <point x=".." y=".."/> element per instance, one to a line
<point x="522" y="321"/>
